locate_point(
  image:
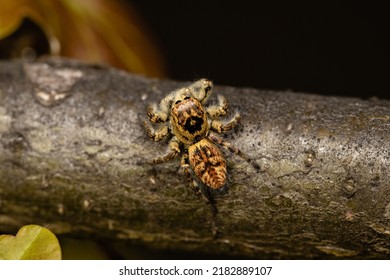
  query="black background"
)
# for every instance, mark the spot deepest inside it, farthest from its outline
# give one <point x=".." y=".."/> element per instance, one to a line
<point x="325" y="49"/>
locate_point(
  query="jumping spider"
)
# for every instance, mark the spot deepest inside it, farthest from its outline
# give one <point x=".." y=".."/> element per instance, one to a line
<point x="193" y="127"/>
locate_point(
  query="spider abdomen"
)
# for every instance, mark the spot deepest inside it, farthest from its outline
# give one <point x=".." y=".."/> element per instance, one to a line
<point x="208" y="163"/>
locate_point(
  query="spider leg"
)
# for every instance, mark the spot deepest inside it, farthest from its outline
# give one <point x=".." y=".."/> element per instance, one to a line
<point x="156" y="134"/>
<point x="191" y="181"/>
<point x="216" y="139"/>
<point x="173" y="151"/>
<point x="220" y="109"/>
<point x="221" y="126"/>
<point x="160" y="112"/>
<point x="205" y="194"/>
<point x="156" y="114"/>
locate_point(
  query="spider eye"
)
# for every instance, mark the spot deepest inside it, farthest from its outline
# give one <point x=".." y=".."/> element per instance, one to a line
<point x="178" y="101"/>
<point x="186" y="98"/>
<point x="207" y="89"/>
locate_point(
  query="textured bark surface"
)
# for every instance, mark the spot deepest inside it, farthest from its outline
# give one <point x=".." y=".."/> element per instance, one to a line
<point x="74" y="157"/>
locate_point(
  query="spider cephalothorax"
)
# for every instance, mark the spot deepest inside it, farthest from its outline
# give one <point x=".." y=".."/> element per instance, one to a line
<point x="192" y="126"/>
<point x="188" y="120"/>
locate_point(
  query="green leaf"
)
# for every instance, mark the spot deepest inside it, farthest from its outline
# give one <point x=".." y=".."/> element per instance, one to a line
<point x="32" y="242"/>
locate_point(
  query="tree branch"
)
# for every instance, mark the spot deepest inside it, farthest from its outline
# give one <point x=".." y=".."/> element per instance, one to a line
<point x="74" y="157"/>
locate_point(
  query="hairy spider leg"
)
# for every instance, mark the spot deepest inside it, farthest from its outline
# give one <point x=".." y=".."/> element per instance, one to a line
<point x="216" y="139"/>
<point x="219" y="109"/>
<point x="222" y="126"/>
<point x="156" y="134"/>
<point x="173" y="151"/>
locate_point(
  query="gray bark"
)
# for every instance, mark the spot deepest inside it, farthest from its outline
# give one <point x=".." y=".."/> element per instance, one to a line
<point x="74" y="157"/>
